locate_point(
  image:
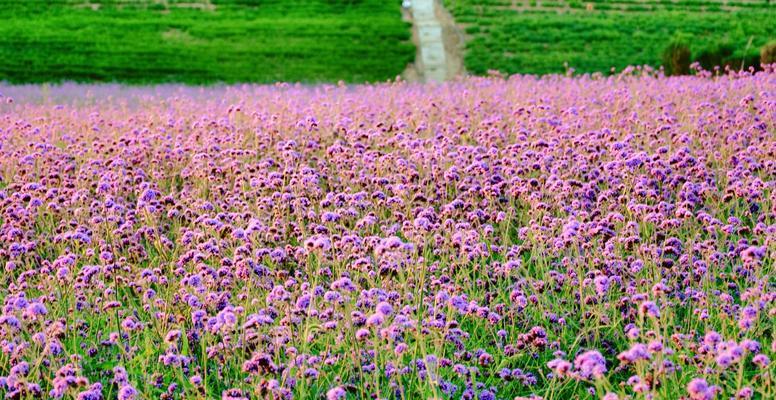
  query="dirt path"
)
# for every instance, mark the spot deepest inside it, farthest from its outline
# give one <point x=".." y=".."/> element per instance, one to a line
<point x="438" y="40"/>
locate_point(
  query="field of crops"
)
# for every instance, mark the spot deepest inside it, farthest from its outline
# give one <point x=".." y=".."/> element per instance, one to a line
<point x="554" y="238"/>
<point x="539" y="37"/>
<point x="202" y="41"/>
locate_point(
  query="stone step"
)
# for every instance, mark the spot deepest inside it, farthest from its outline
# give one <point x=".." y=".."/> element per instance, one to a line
<point x="433" y="63"/>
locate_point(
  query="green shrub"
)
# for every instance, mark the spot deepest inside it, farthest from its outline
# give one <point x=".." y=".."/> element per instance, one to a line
<point x="473" y="29"/>
<point x="768" y="53"/>
<point x="749" y="60"/>
<point x="575" y="4"/>
<point x="717" y="56"/>
<point x="677" y="59"/>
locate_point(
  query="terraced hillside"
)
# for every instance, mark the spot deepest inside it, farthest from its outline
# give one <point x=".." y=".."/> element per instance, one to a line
<point x="202" y="41"/>
<point x="520" y="36"/>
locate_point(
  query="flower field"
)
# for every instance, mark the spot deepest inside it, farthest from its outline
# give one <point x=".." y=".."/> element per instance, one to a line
<point x="488" y="238"/>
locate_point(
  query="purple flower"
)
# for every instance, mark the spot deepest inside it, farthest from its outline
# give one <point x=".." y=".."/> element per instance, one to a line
<point x="384" y="308"/>
<point x="303" y="302"/>
<point x="362" y="334"/>
<point x="649" y="309"/>
<point x="699" y="389"/>
<point x="590" y="364"/>
<point x="560" y="367"/>
<point x="635" y="353"/>
<point x="336" y="393"/>
<point x="375" y="320"/>
<point x="761" y="360"/>
<point x="127" y="392"/>
<point x="487" y="395"/>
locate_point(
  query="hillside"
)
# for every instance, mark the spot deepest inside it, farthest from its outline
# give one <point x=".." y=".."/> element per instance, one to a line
<point x="202" y="41"/>
<point x="539" y="37"/>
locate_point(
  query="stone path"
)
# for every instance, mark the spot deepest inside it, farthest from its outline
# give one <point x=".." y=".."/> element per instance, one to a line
<point x="432" y="65"/>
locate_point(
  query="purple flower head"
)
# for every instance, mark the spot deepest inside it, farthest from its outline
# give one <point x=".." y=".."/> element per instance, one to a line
<point x="649" y="309"/>
<point x="635" y="353"/>
<point x="384" y="308"/>
<point x="376" y="319"/>
<point x="590" y="364"/>
<point x="761" y="360"/>
<point x="127" y="392"/>
<point x="560" y="367"/>
<point x="336" y="393"/>
<point x="699" y="389"/>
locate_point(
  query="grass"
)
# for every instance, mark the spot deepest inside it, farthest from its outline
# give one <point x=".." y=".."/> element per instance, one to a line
<point x="201" y="41"/>
<point x="544" y="37"/>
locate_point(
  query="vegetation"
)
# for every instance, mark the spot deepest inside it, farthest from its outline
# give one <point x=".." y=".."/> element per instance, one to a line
<point x="677" y="59"/>
<point x="768" y="53"/>
<point x="543" y="37"/>
<point x="572" y="238"/>
<point x="201" y="41"/>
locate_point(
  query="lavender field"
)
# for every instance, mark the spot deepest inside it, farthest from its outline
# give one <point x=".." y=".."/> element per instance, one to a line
<point x="487" y="238"/>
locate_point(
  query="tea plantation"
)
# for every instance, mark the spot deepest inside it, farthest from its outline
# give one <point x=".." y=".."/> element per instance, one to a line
<point x="202" y="41"/>
<point x="519" y="36"/>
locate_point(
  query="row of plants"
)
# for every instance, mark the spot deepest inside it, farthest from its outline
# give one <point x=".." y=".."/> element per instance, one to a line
<point x="678" y="58"/>
<point x="236" y="41"/>
<point x="540" y="42"/>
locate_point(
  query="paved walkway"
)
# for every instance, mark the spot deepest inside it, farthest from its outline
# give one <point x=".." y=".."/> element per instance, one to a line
<point x="433" y="64"/>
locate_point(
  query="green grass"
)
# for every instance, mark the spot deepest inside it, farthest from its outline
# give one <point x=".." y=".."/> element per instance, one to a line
<point x="201" y="41"/>
<point x="540" y="38"/>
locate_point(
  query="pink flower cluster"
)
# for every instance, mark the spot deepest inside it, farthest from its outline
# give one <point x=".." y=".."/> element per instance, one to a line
<point x="489" y="238"/>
